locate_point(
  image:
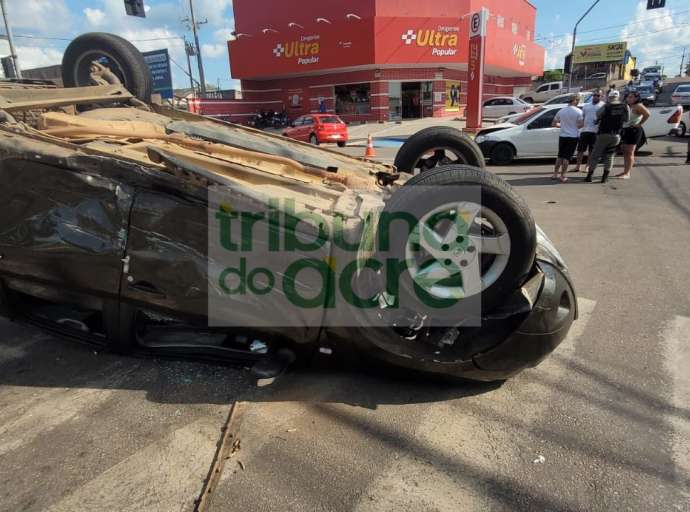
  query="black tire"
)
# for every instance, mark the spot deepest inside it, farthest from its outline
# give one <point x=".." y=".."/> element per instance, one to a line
<point x="123" y="59"/>
<point x="528" y="100"/>
<point x="438" y="137"/>
<point x="682" y="129"/>
<point x="502" y="154"/>
<point x="342" y="144"/>
<point x="450" y="184"/>
<point x="313" y="139"/>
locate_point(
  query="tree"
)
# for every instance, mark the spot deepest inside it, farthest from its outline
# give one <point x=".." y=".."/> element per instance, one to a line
<point x="634" y="73"/>
<point x="553" y="75"/>
<point x="687" y="69"/>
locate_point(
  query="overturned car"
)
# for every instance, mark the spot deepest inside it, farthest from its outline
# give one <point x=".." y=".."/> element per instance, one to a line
<point x="147" y="229"/>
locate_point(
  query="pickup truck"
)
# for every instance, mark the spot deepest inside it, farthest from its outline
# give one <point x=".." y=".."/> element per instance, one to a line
<point x="547" y="91"/>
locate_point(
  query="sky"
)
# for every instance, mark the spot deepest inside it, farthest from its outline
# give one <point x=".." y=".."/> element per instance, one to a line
<point x="43" y="28"/>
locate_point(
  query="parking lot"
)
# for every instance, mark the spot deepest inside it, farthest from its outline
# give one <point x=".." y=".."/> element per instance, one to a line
<point x="602" y="424"/>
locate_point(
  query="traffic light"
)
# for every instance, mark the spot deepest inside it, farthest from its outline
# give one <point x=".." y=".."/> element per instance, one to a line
<point x="655" y="4"/>
<point x="135" y="8"/>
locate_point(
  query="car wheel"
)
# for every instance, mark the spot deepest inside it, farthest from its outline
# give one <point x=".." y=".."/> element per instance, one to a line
<point x="113" y="52"/>
<point x="313" y="140"/>
<point x="502" y="154"/>
<point x="680" y="131"/>
<point x="512" y="113"/>
<point x="528" y="100"/>
<point x="342" y="144"/>
<point x="436" y="146"/>
<point x="477" y="243"/>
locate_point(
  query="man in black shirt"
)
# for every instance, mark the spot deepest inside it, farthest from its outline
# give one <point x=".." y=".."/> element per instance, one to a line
<point x="611" y="120"/>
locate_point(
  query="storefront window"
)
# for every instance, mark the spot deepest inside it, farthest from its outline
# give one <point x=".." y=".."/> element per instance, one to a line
<point x="353" y="99"/>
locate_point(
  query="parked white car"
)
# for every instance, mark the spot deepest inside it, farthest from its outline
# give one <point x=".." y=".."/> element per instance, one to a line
<point x="504" y="105"/>
<point x="585" y="97"/>
<point x="681" y="95"/>
<point x="532" y="136"/>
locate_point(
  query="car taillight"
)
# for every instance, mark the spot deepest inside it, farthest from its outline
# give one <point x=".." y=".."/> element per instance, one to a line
<point x="675" y="117"/>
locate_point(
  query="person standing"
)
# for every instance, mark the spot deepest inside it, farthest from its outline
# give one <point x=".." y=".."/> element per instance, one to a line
<point x="632" y="132"/>
<point x="569" y="120"/>
<point x="611" y="120"/>
<point x="588" y="134"/>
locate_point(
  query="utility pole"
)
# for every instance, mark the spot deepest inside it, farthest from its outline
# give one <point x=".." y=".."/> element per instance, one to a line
<point x="572" y="51"/>
<point x="195" y="30"/>
<point x="682" y="61"/>
<point x="10" y="39"/>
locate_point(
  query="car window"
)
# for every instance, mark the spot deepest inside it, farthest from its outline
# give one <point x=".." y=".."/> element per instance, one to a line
<point x="555" y="87"/>
<point x="543" y="121"/>
<point x="489" y="103"/>
<point x="558" y="99"/>
<point x="329" y="120"/>
<point x="543" y="88"/>
<point x="298" y="121"/>
<point x="528" y="116"/>
<point x="308" y="121"/>
<point x="683" y="88"/>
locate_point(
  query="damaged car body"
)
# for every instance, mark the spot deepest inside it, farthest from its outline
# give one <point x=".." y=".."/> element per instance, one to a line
<point x="114" y="216"/>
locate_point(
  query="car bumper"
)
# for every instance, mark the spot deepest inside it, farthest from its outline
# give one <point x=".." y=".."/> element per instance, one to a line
<point x="517" y="335"/>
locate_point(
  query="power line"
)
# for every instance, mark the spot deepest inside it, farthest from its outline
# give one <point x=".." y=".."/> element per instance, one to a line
<point x="643" y="22"/>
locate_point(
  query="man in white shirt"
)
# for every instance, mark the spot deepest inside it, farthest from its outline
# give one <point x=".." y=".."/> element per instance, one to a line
<point x="569" y="120"/>
<point x="588" y="134"/>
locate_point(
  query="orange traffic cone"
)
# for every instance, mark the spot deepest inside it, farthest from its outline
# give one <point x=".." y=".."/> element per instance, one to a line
<point x="370" y="151"/>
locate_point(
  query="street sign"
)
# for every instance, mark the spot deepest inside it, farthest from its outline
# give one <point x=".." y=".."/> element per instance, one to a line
<point x="655" y="4"/>
<point x="161" y="75"/>
<point x="135" y="8"/>
<point x="475" y="69"/>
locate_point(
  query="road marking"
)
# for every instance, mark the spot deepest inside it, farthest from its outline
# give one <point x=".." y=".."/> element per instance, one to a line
<point x="479" y="448"/>
<point x="165" y="476"/>
<point x="677" y="347"/>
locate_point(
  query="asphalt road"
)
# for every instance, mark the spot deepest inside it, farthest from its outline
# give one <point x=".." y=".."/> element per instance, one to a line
<point x="603" y="424"/>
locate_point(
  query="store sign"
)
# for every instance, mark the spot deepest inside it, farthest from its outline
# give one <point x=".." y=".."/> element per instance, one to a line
<point x="520" y="52"/>
<point x="158" y="62"/>
<point x="443" y="40"/>
<point x="600" y="53"/>
<point x="475" y="69"/>
<point x="305" y="50"/>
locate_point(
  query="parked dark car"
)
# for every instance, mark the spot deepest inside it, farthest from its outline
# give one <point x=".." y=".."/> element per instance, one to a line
<point x="116" y="228"/>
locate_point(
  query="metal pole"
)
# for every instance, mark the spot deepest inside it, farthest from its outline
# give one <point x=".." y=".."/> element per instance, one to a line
<point x="682" y="61"/>
<point x="572" y="51"/>
<point x="202" y="78"/>
<point x="10" y="40"/>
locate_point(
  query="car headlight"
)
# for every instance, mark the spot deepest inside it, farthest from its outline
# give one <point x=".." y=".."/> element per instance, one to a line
<point x="479" y="139"/>
<point x="547" y="251"/>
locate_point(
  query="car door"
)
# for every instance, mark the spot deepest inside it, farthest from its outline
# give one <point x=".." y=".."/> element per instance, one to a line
<point x="62" y="230"/>
<point x="179" y="264"/>
<point x="307" y="128"/>
<point x="538" y="138"/>
<point x="541" y="93"/>
<point x="490" y="109"/>
<point x="294" y="129"/>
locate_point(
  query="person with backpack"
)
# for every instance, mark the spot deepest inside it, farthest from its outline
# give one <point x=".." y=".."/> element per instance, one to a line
<point x="611" y="120"/>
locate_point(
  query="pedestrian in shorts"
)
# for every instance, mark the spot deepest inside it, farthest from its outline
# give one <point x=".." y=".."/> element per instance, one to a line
<point x="588" y="134"/>
<point x="569" y="120"/>
<point x="611" y="120"/>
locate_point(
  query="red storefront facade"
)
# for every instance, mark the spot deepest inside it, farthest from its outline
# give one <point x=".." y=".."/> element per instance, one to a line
<point x="372" y="60"/>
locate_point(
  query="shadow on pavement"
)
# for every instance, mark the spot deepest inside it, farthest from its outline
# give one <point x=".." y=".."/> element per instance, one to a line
<point x="45" y="361"/>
